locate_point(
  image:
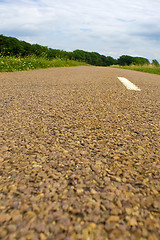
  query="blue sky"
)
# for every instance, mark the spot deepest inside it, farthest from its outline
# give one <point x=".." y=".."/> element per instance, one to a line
<point x="112" y="28"/>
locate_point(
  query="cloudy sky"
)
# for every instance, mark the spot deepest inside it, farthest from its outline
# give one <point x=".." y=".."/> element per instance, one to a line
<point x="112" y="28"/>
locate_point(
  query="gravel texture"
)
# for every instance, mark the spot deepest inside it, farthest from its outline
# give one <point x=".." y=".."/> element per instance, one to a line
<point x="79" y="155"/>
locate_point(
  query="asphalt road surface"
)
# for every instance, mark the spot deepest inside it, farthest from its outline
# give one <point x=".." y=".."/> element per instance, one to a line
<point x="80" y="155"/>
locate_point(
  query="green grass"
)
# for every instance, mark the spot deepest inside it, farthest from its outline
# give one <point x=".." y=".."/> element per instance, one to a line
<point x="145" y="68"/>
<point x="12" y="64"/>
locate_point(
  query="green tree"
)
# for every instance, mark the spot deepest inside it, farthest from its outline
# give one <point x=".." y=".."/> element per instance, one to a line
<point x="140" y="61"/>
<point x="110" y="61"/>
<point x="155" y="63"/>
<point x="125" y="60"/>
<point x="10" y="46"/>
<point x="79" y="55"/>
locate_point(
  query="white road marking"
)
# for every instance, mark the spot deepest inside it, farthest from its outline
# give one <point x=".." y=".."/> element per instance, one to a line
<point x="129" y="85"/>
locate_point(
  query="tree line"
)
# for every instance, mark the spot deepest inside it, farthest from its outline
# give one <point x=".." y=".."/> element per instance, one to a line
<point x="10" y="46"/>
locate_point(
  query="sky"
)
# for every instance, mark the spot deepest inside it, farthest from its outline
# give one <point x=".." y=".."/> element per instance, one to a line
<point x="112" y="28"/>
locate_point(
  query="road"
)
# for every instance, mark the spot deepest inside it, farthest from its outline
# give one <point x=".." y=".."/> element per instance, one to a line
<point x="79" y="155"/>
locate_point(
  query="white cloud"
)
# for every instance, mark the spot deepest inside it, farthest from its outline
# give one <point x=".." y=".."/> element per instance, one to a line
<point x="108" y="27"/>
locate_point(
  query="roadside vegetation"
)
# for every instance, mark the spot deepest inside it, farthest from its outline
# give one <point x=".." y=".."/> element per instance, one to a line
<point x="141" y="64"/>
<point x="13" y="47"/>
<point x="12" y="64"/>
<point x="16" y="55"/>
<point x="151" y="68"/>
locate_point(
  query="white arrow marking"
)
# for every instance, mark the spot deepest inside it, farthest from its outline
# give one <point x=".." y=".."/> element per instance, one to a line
<point x="129" y="85"/>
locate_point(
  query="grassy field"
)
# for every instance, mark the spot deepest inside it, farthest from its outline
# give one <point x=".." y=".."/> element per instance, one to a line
<point x="145" y="68"/>
<point x="12" y="64"/>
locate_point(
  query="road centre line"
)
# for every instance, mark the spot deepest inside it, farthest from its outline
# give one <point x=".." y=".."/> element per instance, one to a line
<point x="129" y="85"/>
